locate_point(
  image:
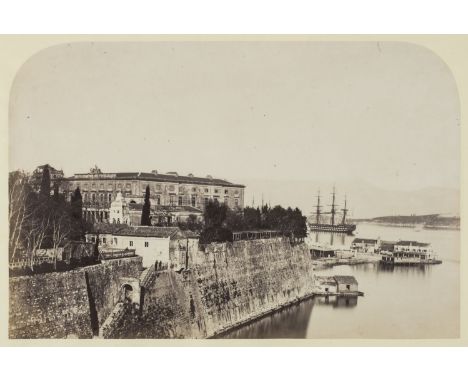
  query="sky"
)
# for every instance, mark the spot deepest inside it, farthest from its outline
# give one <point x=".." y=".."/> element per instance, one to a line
<point x="384" y="113"/>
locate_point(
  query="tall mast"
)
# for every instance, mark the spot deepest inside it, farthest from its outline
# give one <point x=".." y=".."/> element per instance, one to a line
<point x="318" y="208"/>
<point x="345" y="210"/>
<point x="333" y="208"/>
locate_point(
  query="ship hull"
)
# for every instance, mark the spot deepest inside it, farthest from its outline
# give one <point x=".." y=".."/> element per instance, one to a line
<point x="340" y="228"/>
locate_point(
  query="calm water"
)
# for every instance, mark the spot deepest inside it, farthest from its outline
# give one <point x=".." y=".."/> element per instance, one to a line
<point x="401" y="302"/>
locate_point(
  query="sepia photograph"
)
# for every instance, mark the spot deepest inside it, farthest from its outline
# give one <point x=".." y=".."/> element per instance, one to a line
<point x="223" y="189"/>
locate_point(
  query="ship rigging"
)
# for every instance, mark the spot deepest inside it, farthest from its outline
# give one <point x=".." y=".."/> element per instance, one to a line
<point x="320" y="225"/>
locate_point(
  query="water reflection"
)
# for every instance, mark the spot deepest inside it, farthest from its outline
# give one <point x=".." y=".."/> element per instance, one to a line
<point x="337" y="301"/>
<point x="331" y="238"/>
<point x="421" y="270"/>
<point x="291" y="322"/>
<point x="398" y="302"/>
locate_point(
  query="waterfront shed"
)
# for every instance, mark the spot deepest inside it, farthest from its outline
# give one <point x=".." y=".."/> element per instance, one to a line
<point x="346" y="283"/>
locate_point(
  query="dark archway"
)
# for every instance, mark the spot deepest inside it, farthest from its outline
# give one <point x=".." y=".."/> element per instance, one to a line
<point x="127" y="293"/>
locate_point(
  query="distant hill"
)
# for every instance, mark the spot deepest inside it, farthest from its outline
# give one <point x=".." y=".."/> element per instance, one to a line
<point x="364" y="200"/>
<point x="428" y="221"/>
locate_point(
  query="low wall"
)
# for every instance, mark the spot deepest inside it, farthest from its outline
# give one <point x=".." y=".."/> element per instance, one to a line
<point x="227" y="284"/>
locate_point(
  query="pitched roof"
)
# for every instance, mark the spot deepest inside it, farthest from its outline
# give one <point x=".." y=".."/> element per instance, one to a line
<point x="107" y="228"/>
<point x="412" y="243"/>
<point x="170" y="177"/>
<point x="345" y="279"/>
<point x="367" y="241"/>
<point x="156" y="208"/>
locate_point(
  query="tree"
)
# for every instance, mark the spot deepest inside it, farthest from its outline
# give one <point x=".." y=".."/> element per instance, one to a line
<point x="19" y="190"/>
<point x="76" y="211"/>
<point x="45" y="183"/>
<point x="215" y="214"/>
<point x="146" y="211"/>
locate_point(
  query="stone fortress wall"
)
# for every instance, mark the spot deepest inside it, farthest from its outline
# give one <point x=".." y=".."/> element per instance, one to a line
<point x="67" y="304"/>
<point x="224" y="285"/>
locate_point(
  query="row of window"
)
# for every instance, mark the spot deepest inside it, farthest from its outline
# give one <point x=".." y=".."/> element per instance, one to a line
<point x="103" y="241"/>
<point x="157" y="187"/>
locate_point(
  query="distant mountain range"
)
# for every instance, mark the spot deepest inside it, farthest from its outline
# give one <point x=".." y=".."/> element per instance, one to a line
<point x="364" y="200"/>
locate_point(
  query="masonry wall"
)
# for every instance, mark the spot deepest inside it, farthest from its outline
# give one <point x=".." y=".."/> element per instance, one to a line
<point x="53" y="305"/>
<point x="67" y="304"/>
<point x="227" y="284"/>
<point x="105" y="282"/>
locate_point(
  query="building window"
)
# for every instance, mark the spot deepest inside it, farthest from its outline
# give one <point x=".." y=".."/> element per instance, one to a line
<point x="146" y="244"/>
<point x="180" y="200"/>
<point x="206" y="201"/>
<point x="226" y="192"/>
<point x="115" y="240"/>
<point x="193" y="200"/>
<point x="109" y="197"/>
<point x="216" y="191"/>
<point x="128" y="186"/>
<point x="93" y="197"/>
<point x="226" y="200"/>
<point x="131" y="243"/>
<point x="236" y="202"/>
<point x="206" y="191"/>
<point x="101" y="197"/>
<point x="104" y="240"/>
<point x="158" y="200"/>
<point x="93" y="239"/>
<point x="172" y="200"/>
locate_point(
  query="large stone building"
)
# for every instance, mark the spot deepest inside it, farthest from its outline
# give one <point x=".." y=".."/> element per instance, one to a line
<point x="100" y="189"/>
<point x="56" y="176"/>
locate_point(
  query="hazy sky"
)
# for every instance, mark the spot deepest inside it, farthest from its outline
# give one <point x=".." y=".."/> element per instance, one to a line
<point x="385" y="113"/>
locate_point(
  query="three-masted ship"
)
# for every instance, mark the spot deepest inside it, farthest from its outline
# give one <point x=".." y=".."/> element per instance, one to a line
<point x="318" y="224"/>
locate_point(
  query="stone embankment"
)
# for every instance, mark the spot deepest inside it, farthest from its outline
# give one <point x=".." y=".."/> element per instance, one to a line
<point x="225" y="285"/>
<point x="216" y="289"/>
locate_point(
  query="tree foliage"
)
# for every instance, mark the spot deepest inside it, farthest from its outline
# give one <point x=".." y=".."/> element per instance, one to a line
<point x="146" y="211"/>
<point x="220" y="222"/>
<point x="39" y="220"/>
<point x="45" y="183"/>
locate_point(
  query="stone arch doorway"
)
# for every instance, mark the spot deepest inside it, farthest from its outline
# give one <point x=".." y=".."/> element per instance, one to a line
<point x="126" y="293"/>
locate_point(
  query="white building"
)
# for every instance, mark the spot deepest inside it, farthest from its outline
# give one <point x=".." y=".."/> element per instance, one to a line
<point x="412" y="247"/>
<point x="149" y="242"/>
<point x="118" y="211"/>
<point x="365" y="245"/>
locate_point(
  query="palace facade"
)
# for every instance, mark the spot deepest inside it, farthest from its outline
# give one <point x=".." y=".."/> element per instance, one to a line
<point x="99" y="190"/>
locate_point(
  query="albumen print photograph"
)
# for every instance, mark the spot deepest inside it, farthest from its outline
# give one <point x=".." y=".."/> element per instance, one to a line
<point x="234" y="190"/>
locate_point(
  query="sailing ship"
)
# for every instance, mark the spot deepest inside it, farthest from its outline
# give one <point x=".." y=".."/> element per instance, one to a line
<point x="318" y="223"/>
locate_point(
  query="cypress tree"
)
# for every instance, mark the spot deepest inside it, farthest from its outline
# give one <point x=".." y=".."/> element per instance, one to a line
<point x="77" y="204"/>
<point x="45" y="183"/>
<point x="145" y="213"/>
<point x="56" y="193"/>
<point x="76" y="212"/>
